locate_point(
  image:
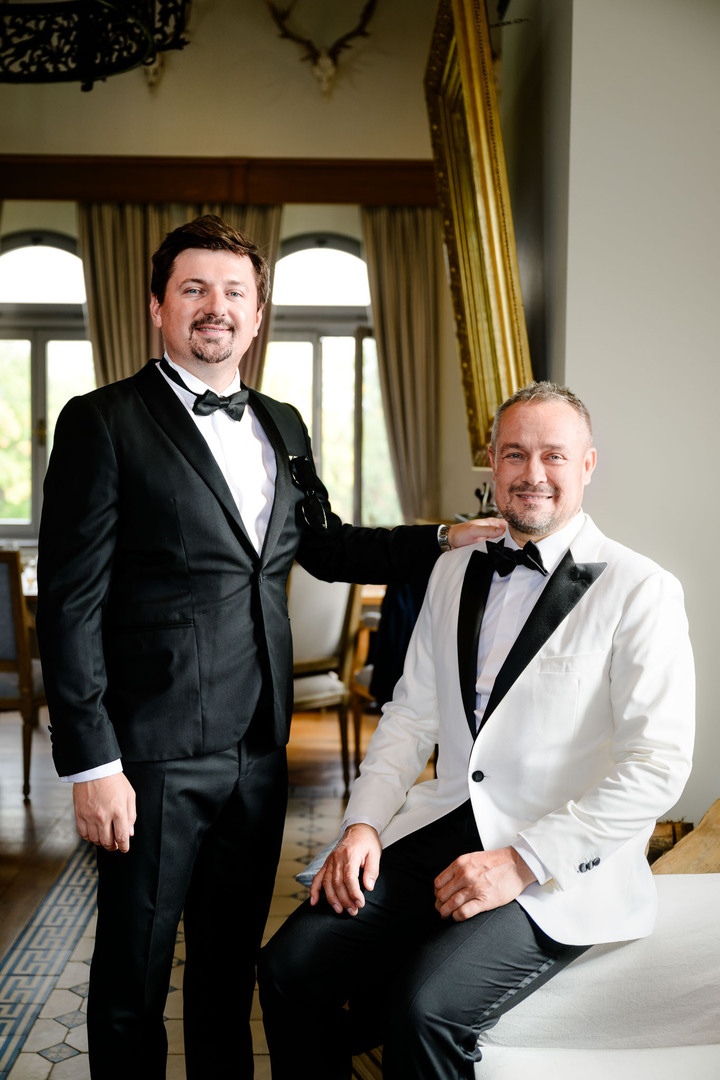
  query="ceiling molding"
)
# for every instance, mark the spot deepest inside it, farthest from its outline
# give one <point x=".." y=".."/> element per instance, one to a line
<point x="256" y="181"/>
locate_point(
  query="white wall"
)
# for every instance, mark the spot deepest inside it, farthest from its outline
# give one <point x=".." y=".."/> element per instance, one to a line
<point x="238" y="90"/>
<point x="631" y="223"/>
<point x="643" y="273"/>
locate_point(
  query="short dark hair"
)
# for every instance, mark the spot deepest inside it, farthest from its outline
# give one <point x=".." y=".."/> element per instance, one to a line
<point x="539" y="392"/>
<point x="213" y="234"/>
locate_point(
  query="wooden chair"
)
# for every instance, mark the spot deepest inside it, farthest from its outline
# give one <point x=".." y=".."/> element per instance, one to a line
<point x="361" y="697"/>
<point x="21" y="685"/>
<point x="378" y="669"/>
<point x="323" y="619"/>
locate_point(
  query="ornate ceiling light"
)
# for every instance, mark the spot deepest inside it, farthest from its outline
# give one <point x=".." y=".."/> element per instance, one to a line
<point x="85" y="40"/>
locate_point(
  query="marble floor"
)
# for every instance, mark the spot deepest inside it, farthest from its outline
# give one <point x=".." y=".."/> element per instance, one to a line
<point x="47" y="929"/>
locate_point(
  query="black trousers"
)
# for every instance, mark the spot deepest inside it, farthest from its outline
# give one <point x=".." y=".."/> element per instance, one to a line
<point x="423" y="987"/>
<point x="207" y="842"/>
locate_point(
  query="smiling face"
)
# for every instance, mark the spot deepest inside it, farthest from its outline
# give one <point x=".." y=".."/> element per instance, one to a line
<point x="542" y="461"/>
<point x="209" y="315"/>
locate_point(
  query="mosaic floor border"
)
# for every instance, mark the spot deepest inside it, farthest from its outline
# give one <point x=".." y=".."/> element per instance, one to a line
<point x="30" y="971"/>
<point x="43" y="978"/>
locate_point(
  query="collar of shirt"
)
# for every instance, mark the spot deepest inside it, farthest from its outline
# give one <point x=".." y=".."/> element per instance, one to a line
<point x="197" y="386"/>
<point x="553" y="547"/>
<point x="242" y="451"/>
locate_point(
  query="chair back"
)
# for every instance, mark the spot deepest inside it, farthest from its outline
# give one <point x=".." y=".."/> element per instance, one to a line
<point x="21" y="686"/>
<point x="323" y="619"/>
<point x="14" y="642"/>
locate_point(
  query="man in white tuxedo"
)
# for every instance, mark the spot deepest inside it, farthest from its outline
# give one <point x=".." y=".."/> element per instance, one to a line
<point x="554" y="673"/>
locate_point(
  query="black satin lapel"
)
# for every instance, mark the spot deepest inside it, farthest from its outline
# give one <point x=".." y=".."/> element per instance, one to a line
<point x="566" y="587"/>
<point x="473" y="598"/>
<point x="173" y="418"/>
<point x="283" y="480"/>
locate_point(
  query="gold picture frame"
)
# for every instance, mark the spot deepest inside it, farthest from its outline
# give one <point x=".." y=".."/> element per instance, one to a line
<point x="475" y="204"/>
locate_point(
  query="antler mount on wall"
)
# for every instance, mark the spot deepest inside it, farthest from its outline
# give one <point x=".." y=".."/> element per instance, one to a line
<point x="323" y="60"/>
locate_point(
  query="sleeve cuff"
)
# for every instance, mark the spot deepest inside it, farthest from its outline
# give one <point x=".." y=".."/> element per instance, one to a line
<point x="528" y="856"/>
<point x="111" y="768"/>
<point x="361" y="821"/>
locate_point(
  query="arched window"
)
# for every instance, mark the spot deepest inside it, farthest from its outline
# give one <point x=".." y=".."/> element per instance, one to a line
<point x="45" y="358"/>
<point x="322" y="358"/>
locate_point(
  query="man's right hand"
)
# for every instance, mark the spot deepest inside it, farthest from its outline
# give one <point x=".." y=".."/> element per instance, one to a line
<point x="359" y="848"/>
<point x="105" y="811"/>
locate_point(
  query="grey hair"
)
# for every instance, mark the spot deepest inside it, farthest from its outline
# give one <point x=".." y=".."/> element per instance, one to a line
<point x="541" y="392"/>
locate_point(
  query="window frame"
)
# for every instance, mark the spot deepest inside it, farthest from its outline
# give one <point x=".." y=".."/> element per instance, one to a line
<point x="310" y="324"/>
<point x="40" y="324"/>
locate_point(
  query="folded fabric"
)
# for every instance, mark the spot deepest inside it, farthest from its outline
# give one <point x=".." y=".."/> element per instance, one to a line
<point x="305" y="876"/>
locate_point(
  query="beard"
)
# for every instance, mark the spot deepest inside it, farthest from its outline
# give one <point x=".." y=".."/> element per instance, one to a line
<point x="530" y="523"/>
<point x="211" y="352"/>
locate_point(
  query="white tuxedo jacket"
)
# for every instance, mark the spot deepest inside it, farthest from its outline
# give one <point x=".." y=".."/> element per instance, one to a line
<point x="586" y="739"/>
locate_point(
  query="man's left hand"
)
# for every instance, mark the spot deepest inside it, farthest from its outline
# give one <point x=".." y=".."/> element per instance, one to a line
<point x="481" y="881"/>
<point x="469" y="532"/>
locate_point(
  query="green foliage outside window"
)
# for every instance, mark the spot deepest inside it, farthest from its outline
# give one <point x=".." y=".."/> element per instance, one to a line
<point x="15" y="431"/>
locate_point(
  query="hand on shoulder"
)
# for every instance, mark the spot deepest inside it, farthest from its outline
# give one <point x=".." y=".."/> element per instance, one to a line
<point x="470" y="532"/>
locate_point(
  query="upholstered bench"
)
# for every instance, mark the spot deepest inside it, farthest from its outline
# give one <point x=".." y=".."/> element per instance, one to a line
<point x="641" y="1009"/>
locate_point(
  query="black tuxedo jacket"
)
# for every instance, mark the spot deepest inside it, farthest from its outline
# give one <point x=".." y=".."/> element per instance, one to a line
<point x="159" y="624"/>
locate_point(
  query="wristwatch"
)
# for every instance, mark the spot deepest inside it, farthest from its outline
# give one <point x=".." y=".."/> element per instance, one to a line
<point x="443" y="537"/>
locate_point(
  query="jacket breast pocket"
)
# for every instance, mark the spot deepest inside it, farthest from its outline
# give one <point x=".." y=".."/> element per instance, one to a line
<point x="563" y="687"/>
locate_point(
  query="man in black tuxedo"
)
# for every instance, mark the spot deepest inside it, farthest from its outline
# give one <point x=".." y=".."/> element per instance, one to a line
<point x="174" y="506"/>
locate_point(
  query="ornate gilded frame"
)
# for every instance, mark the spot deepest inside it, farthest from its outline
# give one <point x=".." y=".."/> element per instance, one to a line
<point x="475" y="203"/>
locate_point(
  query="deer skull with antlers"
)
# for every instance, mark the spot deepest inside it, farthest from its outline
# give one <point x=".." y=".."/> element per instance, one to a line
<point x="323" y="60"/>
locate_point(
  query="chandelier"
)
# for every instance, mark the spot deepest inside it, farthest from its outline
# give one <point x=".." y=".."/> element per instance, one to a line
<point x="85" y="40"/>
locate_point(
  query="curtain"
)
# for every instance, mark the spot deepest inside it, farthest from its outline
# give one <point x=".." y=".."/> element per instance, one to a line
<point x="117" y="241"/>
<point x="404" y="253"/>
<point x="261" y="224"/>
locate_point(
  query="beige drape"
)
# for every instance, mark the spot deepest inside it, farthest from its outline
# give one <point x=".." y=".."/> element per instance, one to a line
<point x="404" y="252"/>
<point x="117" y="241"/>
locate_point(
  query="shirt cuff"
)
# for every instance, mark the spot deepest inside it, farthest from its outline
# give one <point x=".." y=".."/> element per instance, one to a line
<point x="528" y="856"/>
<point x="111" y="768"/>
<point x="360" y="821"/>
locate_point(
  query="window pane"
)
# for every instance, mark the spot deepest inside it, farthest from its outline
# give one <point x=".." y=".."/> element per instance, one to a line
<point x="41" y="275"/>
<point x="380" y="505"/>
<point x="15" y="432"/>
<point x="321" y="277"/>
<point x="288" y="375"/>
<point x="338" y="383"/>
<point x="69" y="372"/>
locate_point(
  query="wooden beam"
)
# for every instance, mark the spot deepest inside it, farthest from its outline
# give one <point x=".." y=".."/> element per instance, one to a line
<point x="258" y="181"/>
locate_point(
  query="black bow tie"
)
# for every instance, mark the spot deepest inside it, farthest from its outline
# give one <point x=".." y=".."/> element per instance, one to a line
<point x="207" y="403"/>
<point x="505" y="559"/>
<point x="234" y="405"/>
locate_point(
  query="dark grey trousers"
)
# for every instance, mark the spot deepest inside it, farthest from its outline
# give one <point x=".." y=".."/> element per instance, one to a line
<point x="397" y="974"/>
<point x="207" y="842"/>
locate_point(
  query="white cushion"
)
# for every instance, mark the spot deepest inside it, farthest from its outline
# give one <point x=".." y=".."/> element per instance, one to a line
<point x="660" y="991"/>
<point x="317" y="691"/>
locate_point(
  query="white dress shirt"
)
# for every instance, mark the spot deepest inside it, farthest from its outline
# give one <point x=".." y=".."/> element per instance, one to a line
<point x="246" y="459"/>
<point x="509" y="603"/>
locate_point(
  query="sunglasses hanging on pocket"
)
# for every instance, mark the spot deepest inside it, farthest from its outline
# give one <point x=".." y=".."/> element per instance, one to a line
<point x="304" y="477"/>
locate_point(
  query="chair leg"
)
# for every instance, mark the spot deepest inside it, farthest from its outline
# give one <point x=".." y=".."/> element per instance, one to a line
<point x="29" y="722"/>
<point x="344" y="747"/>
<point x="357" y="711"/>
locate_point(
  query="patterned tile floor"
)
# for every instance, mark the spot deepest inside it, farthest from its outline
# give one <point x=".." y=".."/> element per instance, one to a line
<point x="43" y="977"/>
